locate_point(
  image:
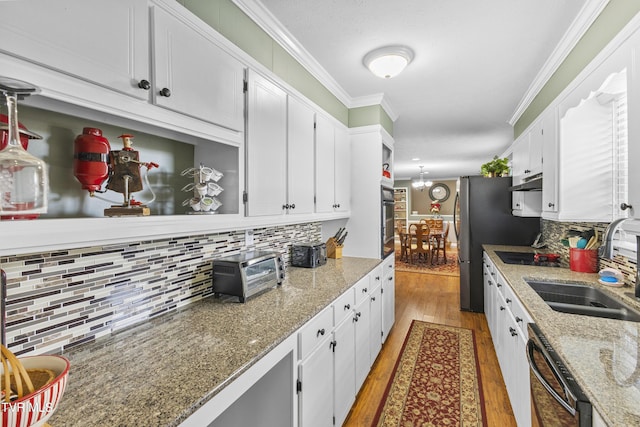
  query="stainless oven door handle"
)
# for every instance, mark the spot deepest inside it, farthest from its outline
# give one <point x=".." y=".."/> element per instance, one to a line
<point x="531" y="345"/>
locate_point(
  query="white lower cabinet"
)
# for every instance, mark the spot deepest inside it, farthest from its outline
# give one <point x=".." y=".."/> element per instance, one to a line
<point x="316" y="385"/>
<point x="375" y="324"/>
<point x="507" y="320"/>
<point x="362" y="319"/>
<point x="335" y="361"/>
<point x="344" y="385"/>
<point x="388" y="292"/>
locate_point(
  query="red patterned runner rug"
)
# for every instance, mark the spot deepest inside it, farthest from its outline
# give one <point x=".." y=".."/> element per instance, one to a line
<point x="436" y="380"/>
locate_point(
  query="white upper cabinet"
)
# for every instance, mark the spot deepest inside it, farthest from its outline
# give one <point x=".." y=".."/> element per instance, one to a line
<point x="592" y="180"/>
<point x="266" y="148"/>
<point x="193" y="76"/>
<point x="525" y="203"/>
<point x="325" y="165"/>
<point x="342" y="172"/>
<point x="550" y="163"/>
<point x="106" y="43"/>
<point x="333" y="154"/>
<point x="300" y="134"/>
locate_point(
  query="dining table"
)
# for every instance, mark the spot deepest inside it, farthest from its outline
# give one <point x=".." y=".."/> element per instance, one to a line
<point x="434" y="237"/>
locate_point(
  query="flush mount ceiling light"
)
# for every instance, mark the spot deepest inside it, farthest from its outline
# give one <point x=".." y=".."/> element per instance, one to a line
<point x="387" y="62"/>
<point x="421" y="184"/>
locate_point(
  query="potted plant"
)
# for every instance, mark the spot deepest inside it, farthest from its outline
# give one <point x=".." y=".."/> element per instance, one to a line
<point x="495" y="167"/>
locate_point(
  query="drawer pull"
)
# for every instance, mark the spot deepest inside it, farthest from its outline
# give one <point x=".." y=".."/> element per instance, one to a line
<point x="364" y="290"/>
<point x="508" y="300"/>
<point x="144" y="84"/>
<point x="502" y="308"/>
<point x="165" y="92"/>
<point x="320" y="332"/>
<point x="373" y="298"/>
<point x="347" y="307"/>
<point x="518" y="319"/>
<point x="513" y="331"/>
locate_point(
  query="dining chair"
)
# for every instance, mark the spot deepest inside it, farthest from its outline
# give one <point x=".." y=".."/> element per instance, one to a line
<point x="403" y="236"/>
<point x="439" y="244"/>
<point x="419" y="242"/>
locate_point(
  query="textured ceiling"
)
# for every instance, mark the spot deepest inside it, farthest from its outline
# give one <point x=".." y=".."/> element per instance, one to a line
<point x="474" y="61"/>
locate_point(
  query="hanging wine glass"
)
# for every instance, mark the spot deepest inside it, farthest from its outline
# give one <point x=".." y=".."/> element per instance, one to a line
<point x="24" y="181"/>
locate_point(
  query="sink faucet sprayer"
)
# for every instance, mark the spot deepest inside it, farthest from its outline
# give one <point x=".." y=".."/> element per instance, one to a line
<point x="606" y="250"/>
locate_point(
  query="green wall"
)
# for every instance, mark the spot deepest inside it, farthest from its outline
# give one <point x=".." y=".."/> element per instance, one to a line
<point x="370" y="115"/>
<point x="226" y="18"/>
<point x="612" y="19"/>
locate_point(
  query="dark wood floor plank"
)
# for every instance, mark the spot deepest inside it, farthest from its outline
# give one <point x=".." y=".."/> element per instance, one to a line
<point x="433" y="298"/>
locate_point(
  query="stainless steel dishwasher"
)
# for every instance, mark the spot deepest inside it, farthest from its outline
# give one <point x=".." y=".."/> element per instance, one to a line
<point x="556" y="398"/>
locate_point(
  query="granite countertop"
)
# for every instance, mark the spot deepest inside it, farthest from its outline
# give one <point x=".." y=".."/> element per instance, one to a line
<point x="161" y="371"/>
<point x="602" y="354"/>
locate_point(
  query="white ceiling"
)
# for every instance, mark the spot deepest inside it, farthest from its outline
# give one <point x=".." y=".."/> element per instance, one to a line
<point x="474" y="62"/>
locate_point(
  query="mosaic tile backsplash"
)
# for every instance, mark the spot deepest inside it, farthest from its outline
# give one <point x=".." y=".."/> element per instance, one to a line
<point x="56" y="300"/>
<point x="553" y="232"/>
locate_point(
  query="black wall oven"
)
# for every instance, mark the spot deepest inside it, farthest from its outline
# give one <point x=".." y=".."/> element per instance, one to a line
<point x="556" y="398"/>
<point x="387" y="232"/>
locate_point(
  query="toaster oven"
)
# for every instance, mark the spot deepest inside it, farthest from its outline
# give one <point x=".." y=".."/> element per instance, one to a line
<point x="247" y="274"/>
<point x="310" y="255"/>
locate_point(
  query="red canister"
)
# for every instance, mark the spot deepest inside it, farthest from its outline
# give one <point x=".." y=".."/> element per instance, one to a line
<point x="583" y="260"/>
<point x="91" y="159"/>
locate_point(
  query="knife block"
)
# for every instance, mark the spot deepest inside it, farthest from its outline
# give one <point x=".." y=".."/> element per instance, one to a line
<point x="333" y="249"/>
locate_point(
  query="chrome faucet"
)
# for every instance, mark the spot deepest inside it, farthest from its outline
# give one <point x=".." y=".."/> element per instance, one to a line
<point x="606" y="250"/>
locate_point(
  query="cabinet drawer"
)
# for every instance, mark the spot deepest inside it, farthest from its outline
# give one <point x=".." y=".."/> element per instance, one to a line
<point x="520" y="315"/>
<point x="344" y="306"/>
<point x="376" y="276"/>
<point x="362" y="288"/>
<point x="487" y="262"/>
<point x="388" y="264"/>
<point x="316" y="330"/>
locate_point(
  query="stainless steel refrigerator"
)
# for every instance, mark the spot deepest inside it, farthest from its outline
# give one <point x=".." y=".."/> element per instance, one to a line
<point x="482" y="215"/>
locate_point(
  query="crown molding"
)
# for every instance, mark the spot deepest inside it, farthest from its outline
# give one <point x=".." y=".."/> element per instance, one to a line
<point x="375" y="99"/>
<point x="270" y="24"/>
<point x="255" y="10"/>
<point x="588" y="14"/>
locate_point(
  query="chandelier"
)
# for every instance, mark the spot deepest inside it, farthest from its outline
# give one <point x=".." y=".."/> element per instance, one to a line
<point x="421" y="184"/>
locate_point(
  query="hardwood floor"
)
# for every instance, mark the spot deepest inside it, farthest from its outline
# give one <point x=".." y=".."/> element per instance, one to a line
<point x="434" y="299"/>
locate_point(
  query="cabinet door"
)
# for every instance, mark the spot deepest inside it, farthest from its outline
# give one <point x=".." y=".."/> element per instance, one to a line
<point x="550" y="164"/>
<point x="536" y="144"/>
<point x="106" y="43"/>
<point x="342" y="174"/>
<point x="388" y="304"/>
<point x="266" y="147"/>
<point x="316" y="396"/>
<point x="325" y="165"/>
<point x="375" y="325"/>
<point x="344" y="370"/>
<point x="520" y="160"/>
<point x="521" y="396"/>
<point x="300" y="157"/>
<point x="204" y="81"/>
<point x="363" y="358"/>
<point x="488" y="292"/>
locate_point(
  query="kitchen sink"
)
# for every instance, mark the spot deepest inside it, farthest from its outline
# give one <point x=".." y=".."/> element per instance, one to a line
<point x="582" y="299"/>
